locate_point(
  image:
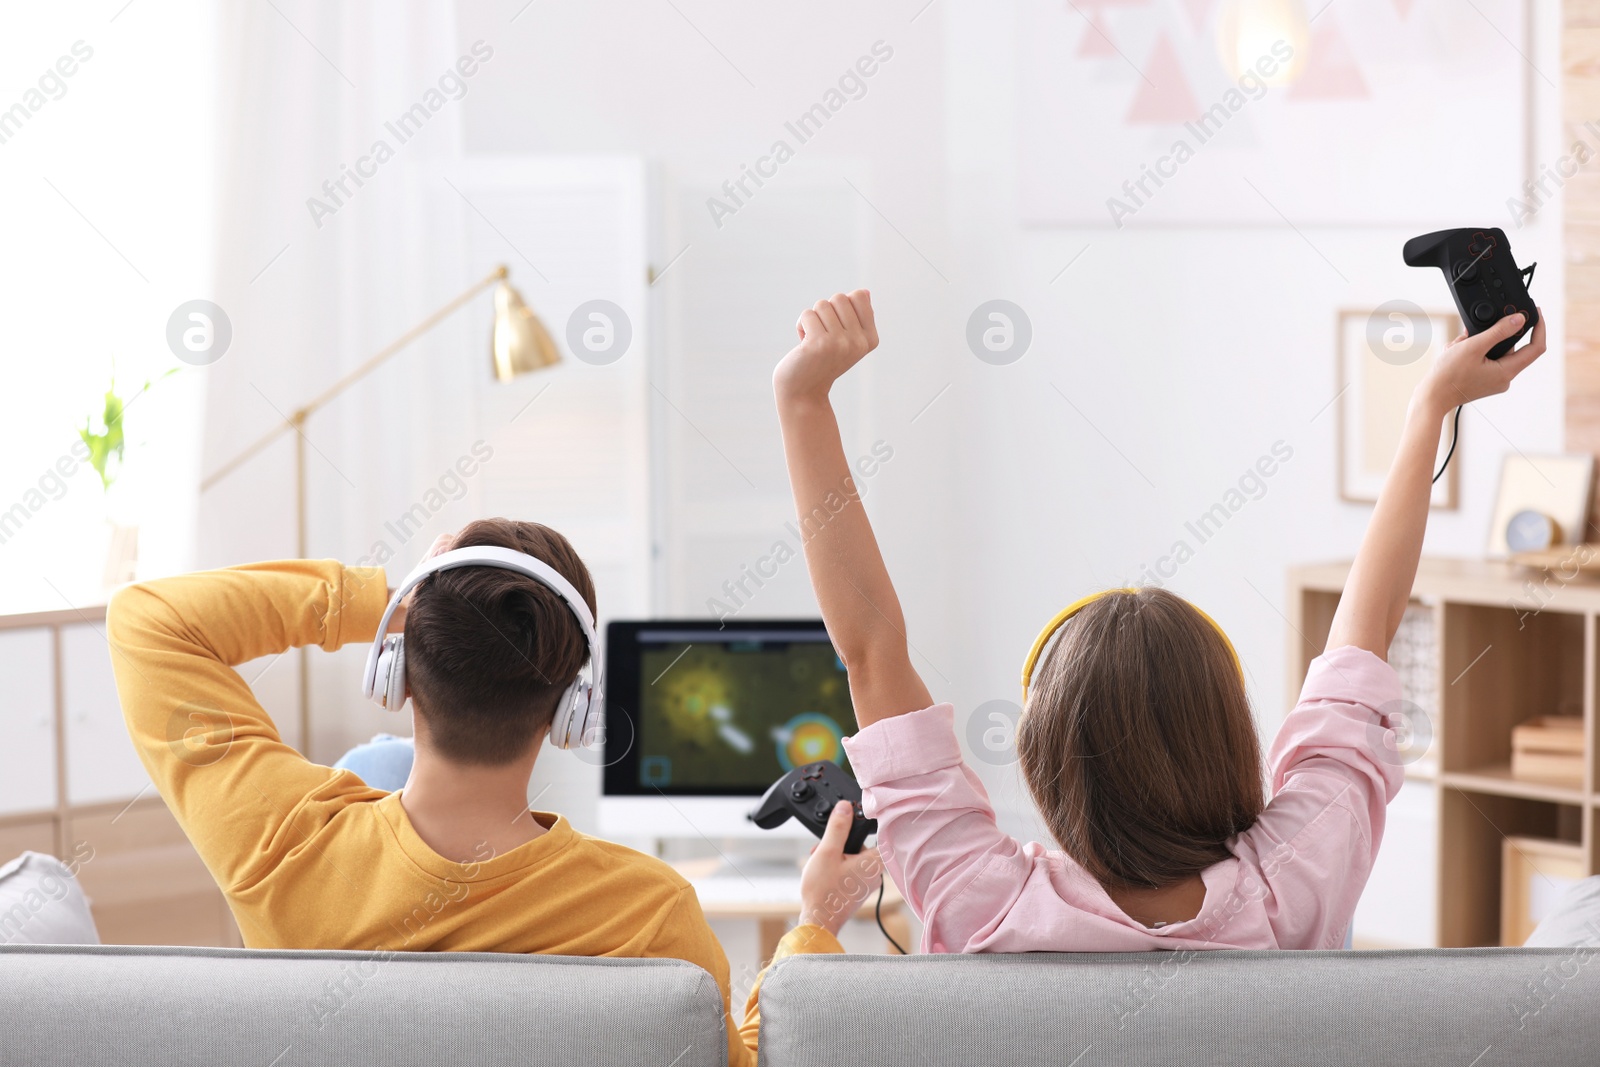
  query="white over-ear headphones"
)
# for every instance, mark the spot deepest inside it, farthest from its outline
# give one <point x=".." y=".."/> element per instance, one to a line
<point x="579" y="713"/>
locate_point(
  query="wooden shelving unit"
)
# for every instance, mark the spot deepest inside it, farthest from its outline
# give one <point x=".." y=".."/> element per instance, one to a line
<point x="1512" y="643"/>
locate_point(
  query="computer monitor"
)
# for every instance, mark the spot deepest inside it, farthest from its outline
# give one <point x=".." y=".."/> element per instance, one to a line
<point x="702" y="716"/>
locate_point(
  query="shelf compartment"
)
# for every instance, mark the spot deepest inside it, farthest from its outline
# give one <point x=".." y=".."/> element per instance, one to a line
<point x="1499" y="781"/>
<point x="1502" y="667"/>
<point x="27" y="834"/>
<point x="1473" y="826"/>
<point x="1316" y="618"/>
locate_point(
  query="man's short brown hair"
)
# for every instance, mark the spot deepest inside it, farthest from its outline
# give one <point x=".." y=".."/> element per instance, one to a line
<point x="1137" y="743"/>
<point x="490" y="651"/>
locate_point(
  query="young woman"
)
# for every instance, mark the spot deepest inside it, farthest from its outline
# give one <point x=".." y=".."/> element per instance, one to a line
<point x="1135" y="740"/>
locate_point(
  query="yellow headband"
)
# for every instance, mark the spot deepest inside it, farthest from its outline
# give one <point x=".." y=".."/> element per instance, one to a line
<point x="1078" y="605"/>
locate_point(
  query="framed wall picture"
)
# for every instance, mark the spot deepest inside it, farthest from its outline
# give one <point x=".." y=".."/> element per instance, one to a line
<point x="1382" y="354"/>
<point x="1228" y="112"/>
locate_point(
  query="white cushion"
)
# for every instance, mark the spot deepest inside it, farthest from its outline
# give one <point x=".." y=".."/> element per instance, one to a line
<point x="42" y="904"/>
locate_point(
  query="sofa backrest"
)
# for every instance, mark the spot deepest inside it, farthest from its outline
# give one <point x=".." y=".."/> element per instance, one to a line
<point x="136" y="1006"/>
<point x="1463" y="1007"/>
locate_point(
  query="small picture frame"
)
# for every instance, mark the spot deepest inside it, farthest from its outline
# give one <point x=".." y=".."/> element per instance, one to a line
<point x="1557" y="488"/>
<point x="1383" y="353"/>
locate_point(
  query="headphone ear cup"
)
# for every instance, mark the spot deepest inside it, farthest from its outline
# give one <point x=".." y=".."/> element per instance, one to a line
<point x="568" y="728"/>
<point x="586" y="717"/>
<point x="395" y="697"/>
<point x="390" y="684"/>
<point x="380" y="674"/>
<point x="592" y="730"/>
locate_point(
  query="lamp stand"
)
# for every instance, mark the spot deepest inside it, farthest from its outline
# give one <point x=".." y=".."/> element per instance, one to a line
<point x="297" y="422"/>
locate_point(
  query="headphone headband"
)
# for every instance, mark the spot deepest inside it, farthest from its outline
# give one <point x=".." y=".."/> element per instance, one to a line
<point x="505" y="559"/>
<point x="1078" y="605"/>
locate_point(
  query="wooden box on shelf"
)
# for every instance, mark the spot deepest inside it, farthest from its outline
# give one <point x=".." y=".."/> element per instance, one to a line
<point x="1534" y="874"/>
<point x="1549" y="748"/>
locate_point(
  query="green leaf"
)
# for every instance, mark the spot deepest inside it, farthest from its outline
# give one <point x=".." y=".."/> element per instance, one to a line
<point x="110" y="443"/>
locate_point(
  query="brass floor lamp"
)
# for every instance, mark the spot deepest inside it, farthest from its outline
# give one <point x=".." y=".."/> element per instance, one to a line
<point x="520" y="344"/>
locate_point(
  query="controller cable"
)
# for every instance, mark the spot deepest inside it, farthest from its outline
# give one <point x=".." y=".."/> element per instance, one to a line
<point x="1455" y="436"/>
<point x="1455" y="430"/>
<point x="877" y="913"/>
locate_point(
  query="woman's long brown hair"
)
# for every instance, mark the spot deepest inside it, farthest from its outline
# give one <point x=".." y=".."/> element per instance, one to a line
<point x="1137" y="743"/>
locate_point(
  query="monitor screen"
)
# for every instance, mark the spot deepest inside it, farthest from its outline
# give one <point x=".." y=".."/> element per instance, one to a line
<point x="720" y="709"/>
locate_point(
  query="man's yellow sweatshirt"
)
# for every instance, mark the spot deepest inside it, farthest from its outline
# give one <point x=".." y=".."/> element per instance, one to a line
<point x="311" y="857"/>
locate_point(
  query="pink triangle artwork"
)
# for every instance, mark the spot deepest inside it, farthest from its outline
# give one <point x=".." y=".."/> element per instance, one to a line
<point x="1331" y="70"/>
<point x="1096" y="41"/>
<point x="1164" y="94"/>
<point x="1200" y="10"/>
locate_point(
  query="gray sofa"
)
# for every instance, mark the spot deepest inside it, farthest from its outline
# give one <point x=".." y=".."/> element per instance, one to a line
<point x="138" y="1006"/>
<point x="81" y="1005"/>
<point x="1440" y="1008"/>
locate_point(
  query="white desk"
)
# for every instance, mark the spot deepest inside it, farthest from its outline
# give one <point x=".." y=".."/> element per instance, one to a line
<point x="771" y="896"/>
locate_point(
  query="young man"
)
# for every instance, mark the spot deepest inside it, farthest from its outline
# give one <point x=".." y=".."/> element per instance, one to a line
<point x="312" y="857"/>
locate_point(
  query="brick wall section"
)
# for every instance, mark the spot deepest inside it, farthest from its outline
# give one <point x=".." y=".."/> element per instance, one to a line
<point x="1580" y="64"/>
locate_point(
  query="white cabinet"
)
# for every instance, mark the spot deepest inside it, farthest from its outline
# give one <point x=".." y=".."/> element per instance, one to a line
<point x="101" y="764"/>
<point x="146" y="884"/>
<point x="27" y="719"/>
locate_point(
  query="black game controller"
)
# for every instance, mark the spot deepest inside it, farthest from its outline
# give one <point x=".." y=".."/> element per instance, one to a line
<point x="1483" y="277"/>
<point x="809" y="793"/>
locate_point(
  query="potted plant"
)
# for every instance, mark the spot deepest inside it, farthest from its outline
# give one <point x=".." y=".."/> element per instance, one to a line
<point x="103" y="434"/>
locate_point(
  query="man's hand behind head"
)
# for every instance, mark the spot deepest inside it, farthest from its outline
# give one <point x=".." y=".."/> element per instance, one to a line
<point x="397" y="622"/>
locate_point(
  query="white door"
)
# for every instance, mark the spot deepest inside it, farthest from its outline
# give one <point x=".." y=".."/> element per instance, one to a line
<point x="571" y="444"/>
<point x="729" y="308"/>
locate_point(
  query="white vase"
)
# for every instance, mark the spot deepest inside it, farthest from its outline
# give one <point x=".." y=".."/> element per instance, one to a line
<point x="122" y="556"/>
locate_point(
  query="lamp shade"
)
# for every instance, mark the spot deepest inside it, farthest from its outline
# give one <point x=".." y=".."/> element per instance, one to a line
<point x="1249" y="31"/>
<point x="520" y="341"/>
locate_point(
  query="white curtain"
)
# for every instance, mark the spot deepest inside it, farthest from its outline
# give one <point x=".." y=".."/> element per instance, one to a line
<point x="105" y="168"/>
<point x="317" y="272"/>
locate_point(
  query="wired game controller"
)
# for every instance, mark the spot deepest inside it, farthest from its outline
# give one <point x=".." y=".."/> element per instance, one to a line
<point x="808" y="793"/>
<point x="1483" y="277"/>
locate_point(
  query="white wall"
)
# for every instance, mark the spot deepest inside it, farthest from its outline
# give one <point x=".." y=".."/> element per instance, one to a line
<point x="1192" y="351"/>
